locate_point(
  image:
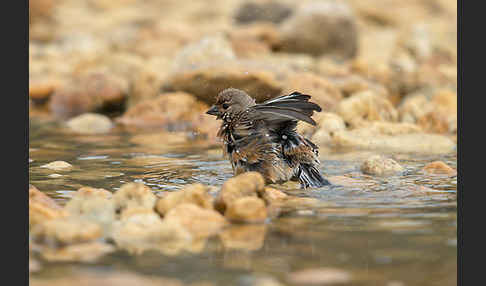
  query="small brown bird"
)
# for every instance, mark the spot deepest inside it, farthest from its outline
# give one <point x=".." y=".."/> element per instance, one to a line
<point x="263" y="138"/>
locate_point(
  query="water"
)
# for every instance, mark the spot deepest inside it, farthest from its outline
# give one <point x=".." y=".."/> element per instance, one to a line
<point x="387" y="231"/>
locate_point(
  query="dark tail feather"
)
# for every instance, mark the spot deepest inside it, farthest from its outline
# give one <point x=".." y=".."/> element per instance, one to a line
<point x="309" y="176"/>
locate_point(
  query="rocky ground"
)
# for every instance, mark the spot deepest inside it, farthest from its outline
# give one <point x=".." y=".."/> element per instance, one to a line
<point x="384" y="72"/>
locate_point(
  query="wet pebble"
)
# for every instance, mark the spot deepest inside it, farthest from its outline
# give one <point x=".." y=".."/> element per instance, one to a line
<point x="90" y="123"/>
<point x="247" y="210"/>
<point x="58" y="166"/>
<point x="439" y="168"/>
<point x="197" y="194"/>
<point x="380" y="166"/>
<point x="81" y="252"/>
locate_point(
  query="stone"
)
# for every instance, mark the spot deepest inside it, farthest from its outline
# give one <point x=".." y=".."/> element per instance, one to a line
<point x="42" y="207"/>
<point x="437" y="114"/>
<point x="88" y="93"/>
<point x="366" y="106"/>
<point x="439" y="168"/>
<point x="205" y="81"/>
<point x="272" y="196"/>
<point x="322" y="91"/>
<point x="87" y="252"/>
<point x="58" y="166"/>
<point x="196" y="194"/>
<point x="64" y="231"/>
<point x="247" y="184"/>
<point x="134" y="196"/>
<point x="199" y="222"/>
<point x="41" y="89"/>
<point x="144" y="231"/>
<point x="177" y="111"/>
<point x="94" y="205"/>
<point x="247" y="210"/>
<point x="380" y="166"/>
<point x="321" y="27"/>
<point x="245" y="237"/>
<point x="262" y="11"/>
<point x="320" y="276"/>
<point x="90" y="123"/>
<point x="327" y="124"/>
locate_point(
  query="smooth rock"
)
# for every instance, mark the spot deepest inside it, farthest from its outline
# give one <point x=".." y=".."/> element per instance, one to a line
<point x="247" y="210"/>
<point x="88" y="93"/>
<point x="196" y="194"/>
<point x="271" y="195"/>
<point x="321" y="27"/>
<point x="253" y="40"/>
<point x="90" y="123"/>
<point x="57" y="166"/>
<point x="380" y="166"/>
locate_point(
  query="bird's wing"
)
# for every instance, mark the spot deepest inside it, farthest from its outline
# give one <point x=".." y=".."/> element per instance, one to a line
<point x="282" y="109"/>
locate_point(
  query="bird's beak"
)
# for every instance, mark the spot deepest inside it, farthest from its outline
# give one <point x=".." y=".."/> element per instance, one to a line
<point x="213" y="111"/>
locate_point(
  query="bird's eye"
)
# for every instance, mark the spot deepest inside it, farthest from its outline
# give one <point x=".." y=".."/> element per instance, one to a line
<point x="225" y="105"/>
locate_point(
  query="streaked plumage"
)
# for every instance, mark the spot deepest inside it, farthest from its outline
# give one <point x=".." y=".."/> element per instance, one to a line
<point x="263" y="138"/>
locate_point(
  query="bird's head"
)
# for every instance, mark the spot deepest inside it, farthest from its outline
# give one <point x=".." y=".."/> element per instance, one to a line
<point x="229" y="102"/>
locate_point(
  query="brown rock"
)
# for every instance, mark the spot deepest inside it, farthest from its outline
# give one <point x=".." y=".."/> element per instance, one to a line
<point x="199" y="222"/>
<point x="41" y="89"/>
<point x="327" y="124"/>
<point x="439" y="167"/>
<point x="247" y="237"/>
<point x="63" y="231"/>
<point x="380" y="166"/>
<point x="90" y="123"/>
<point x="81" y="252"/>
<point x="244" y="185"/>
<point x="93" y="92"/>
<point x="247" y="210"/>
<point x="178" y="111"/>
<point x="366" y="106"/>
<point x="134" y="196"/>
<point x="207" y="80"/>
<point x="196" y="194"/>
<point x="321" y="27"/>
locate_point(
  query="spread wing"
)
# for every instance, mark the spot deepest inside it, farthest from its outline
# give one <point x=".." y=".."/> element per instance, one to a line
<point x="282" y="109"/>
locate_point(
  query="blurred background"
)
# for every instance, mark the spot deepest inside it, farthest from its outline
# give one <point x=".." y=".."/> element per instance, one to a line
<point x="118" y="57"/>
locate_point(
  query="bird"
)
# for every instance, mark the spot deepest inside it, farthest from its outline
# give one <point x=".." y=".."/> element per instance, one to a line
<point x="262" y="137"/>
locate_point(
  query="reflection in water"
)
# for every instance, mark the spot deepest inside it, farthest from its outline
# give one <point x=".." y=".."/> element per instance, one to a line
<point x="380" y="230"/>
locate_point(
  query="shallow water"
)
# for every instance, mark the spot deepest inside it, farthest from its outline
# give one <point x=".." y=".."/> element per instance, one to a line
<point x="385" y="231"/>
